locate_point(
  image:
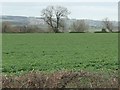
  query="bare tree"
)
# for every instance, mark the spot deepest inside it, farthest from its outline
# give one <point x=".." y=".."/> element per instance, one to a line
<point x="107" y="24"/>
<point x="52" y="16"/>
<point x="80" y="26"/>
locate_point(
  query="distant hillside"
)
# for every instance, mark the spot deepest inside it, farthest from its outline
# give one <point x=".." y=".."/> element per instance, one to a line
<point x="16" y="20"/>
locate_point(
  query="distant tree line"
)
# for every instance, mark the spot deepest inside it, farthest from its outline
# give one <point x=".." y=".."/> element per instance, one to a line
<point x="77" y="26"/>
<point x="7" y="27"/>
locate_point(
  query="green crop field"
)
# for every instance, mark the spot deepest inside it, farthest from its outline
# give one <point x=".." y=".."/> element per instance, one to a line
<point x="52" y="52"/>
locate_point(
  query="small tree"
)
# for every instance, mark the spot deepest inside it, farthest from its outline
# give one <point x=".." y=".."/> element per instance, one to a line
<point x="104" y="30"/>
<point x="52" y="16"/>
<point x="107" y="24"/>
<point x="6" y="27"/>
<point x="80" y="26"/>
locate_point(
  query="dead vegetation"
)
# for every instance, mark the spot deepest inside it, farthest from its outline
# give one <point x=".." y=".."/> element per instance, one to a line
<point x="63" y="79"/>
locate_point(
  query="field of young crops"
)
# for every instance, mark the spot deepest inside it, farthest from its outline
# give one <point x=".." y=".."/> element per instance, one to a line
<point x="51" y="52"/>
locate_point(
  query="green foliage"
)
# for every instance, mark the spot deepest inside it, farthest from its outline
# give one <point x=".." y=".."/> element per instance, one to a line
<point x="53" y="52"/>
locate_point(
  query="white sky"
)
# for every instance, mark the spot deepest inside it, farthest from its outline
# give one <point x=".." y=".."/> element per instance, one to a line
<point x="89" y="9"/>
<point x="59" y="0"/>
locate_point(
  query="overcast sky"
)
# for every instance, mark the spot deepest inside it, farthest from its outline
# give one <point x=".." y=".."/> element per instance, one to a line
<point x="80" y="10"/>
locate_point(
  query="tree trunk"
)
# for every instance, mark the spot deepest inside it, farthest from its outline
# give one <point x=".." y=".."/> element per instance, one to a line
<point x="56" y="30"/>
<point x="57" y="27"/>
